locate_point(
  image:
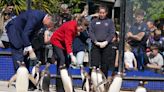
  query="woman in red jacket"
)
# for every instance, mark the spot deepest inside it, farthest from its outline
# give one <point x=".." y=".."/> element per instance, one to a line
<point x="62" y="40"/>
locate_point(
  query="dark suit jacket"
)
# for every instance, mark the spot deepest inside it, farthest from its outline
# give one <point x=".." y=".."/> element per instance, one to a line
<point x="21" y="29"/>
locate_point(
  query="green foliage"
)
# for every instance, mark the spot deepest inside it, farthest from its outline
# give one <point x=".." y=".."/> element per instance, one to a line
<point x="20" y="5"/>
<point x="75" y="5"/>
<point x="154" y="8"/>
<point x="50" y="6"/>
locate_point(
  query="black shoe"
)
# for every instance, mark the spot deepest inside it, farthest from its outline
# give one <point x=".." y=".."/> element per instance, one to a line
<point x="31" y="89"/>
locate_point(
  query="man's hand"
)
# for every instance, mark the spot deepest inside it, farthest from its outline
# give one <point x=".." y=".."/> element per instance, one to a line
<point x="103" y="44"/>
<point x="129" y="34"/>
<point x="27" y="49"/>
<point x="25" y="52"/>
<point x="31" y="52"/>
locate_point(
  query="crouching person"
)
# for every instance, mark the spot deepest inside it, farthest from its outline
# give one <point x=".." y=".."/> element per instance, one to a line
<point x="21" y="30"/>
<point x="155" y="58"/>
<point x="62" y="40"/>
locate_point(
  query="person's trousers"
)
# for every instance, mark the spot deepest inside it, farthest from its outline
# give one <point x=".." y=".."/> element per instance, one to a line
<point x="140" y="57"/>
<point x="62" y="59"/>
<point x="16" y="43"/>
<point x="80" y="57"/>
<point x="102" y="58"/>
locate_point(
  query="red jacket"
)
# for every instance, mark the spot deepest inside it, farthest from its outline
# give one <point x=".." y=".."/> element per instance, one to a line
<point x="64" y="35"/>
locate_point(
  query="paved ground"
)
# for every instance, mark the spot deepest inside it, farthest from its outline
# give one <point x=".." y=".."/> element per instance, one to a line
<point x="4" y="88"/>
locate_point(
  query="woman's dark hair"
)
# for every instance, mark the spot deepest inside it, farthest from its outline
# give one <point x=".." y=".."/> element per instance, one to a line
<point x="10" y="4"/>
<point x="103" y="7"/>
<point x="117" y="36"/>
<point x="81" y="21"/>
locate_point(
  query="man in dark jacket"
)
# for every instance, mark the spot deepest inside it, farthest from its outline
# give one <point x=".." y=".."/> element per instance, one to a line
<point x="137" y="37"/>
<point x="21" y="30"/>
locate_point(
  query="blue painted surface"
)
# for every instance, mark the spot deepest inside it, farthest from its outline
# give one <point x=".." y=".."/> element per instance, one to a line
<point x="6" y="67"/>
<point x="5" y="49"/>
<point x="7" y="70"/>
<point x="145" y="73"/>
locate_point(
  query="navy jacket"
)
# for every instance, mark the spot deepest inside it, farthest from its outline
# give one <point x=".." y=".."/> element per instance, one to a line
<point x="136" y="29"/>
<point x="24" y="26"/>
<point x="101" y="30"/>
<point x="79" y="43"/>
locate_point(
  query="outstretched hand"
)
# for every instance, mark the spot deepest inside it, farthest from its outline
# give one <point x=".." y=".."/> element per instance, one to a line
<point x="73" y="59"/>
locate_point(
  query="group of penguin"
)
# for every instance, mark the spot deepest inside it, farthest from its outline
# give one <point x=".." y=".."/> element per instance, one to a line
<point x="42" y="80"/>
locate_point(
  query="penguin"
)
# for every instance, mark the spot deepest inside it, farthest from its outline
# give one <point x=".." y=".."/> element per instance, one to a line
<point x="85" y="78"/>
<point x="66" y="79"/>
<point x="141" y="87"/>
<point x="116" y="84"/>
<point x="35" y="71"/>
<point x="45" y="78"/>
<point x="22" y="77"/>
<point x="97" y="78"/>
<point x="36" y="74"/>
